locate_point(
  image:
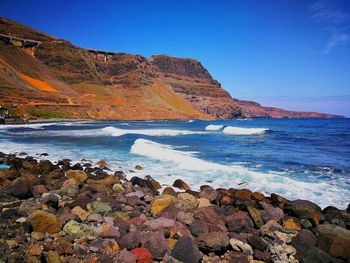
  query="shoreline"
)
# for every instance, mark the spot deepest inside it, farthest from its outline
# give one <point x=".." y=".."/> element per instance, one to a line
<point x="85" y="211"/>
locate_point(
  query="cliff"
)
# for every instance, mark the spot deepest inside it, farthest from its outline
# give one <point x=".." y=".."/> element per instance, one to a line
<point x="56" y="79"/>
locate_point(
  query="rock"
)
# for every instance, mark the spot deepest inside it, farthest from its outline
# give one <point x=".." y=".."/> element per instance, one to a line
<point x="241" y="246"/>
<point x="209" y="216"/>
<point x="34" y="250"/>
<point x="102" y="164"/>
<point x="335" y="240"/>
<point x="155" y="242"/>
<point x="159" y="223"/>
<point x="143" y="255"/>
<point x="306" y="223"/>
<point x="306" y="253"/>
<point x="37" y="235"/>
<point x="99" y="207"/>
<point x="271" y="213"/>
<point x="161" y="202"/>
<point x="198" y="227"/>
<point x="208" y="193"/>
<point x="122" y="225"/>
<point x="262" y="255"/>
<point x="169" y="191"/>
<point x="213" y="241"/>
<point x="80" y="212"/>
<point x="186" y="202"/>
<point x="78" y="230"/>
<point x="51" y="200"/>
<point x="108" y="231"/>
<point x="138" y="167"/>
<point x="306" y="237"/>
<point x="291" y="223"/>
<point x="130" y="240"/>
<point x="257" y="242"/>
<point x="95" y="218"/>
<point x="336" y="216"/>
<point x="304" y="209"/>
<point x="118" y="188"/>
<point x="77" y="175"/>
<point x="38" y="190"/>
<point x="238" y="257"/>
<point x="186" y="250"/>
<point x="45" y="222"/>
<point x="126" y="257"/>
<point x="258" y="197"/>
<point x="255" y="214"/>
<point x="243" y="194"/>
<point x="226" y="200"/>
<point x="108" y="181"/>
<point x="238" y="221"/>
<point x="52" y="257"/>
<point x="21" y="188"/>
<point x="178" y="183"/>
<point x="203" y="202"/>
<point x="270" y="227"/>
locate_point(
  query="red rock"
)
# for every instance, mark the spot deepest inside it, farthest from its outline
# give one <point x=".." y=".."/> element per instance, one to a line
<point x="136" y="220"/>
<point x="238" y="221"/>
<point x="143" y="255"/>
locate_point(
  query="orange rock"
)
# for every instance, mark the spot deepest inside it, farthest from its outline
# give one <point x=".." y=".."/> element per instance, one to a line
<point x="292" y="223"/>
<point x="243" y="194"/>
<point x="169" y="191"/>
<point x="79" y="176"/>
<point x="258" y="196"/>
<point x="80" y="212"/>
<point x="143" y="255"/>
<point x="178" y="183"/>
<point x="45" y="222"/>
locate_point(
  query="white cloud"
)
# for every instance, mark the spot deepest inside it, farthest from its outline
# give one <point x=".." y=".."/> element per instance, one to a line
<point x="334" y="20"/>
<point x="336" y="39"/>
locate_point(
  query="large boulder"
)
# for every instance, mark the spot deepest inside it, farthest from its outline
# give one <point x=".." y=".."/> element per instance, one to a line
<point x="334" y="240"/>
<point x="186" y="250"/>
<point x="161" y="202"/>
<point x="45" y="222"/>
<point x="213" y="241"/>
<point x="304" y="209"/>
<point x="178" y="183"/>
<point x="155" y="242"/>
<point x="238" y="220"/>
<point x="214" y="220"/>
<point x="78" y="175"/>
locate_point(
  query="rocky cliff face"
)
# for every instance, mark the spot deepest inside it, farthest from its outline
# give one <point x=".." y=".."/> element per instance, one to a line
<point x="58" y="79"/>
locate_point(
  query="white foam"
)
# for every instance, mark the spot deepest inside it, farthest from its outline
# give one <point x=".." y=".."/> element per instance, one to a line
<point x="212" y="127"/>
<point x="113" y="131"/>
<point x="196" y="172"/>
<point x="243" y="131"/>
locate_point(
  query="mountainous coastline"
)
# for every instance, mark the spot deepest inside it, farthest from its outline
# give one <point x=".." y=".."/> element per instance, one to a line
<point x="56" y="79"/>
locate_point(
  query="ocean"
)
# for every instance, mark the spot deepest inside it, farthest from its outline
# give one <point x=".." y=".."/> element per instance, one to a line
<point x="296" y="158"/>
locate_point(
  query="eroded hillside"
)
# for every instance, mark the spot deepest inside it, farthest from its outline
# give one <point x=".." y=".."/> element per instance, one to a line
<point x="56" y="79"/>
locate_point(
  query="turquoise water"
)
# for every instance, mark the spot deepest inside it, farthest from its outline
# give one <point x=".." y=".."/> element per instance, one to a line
<point x="298" y="158"/>
<point x="3" y="166"/>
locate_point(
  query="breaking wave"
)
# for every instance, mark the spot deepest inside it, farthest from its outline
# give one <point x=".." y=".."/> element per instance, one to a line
<point x="116" y="132"/>
<point x="212" y="127"/>
<point x="198" y="171"/>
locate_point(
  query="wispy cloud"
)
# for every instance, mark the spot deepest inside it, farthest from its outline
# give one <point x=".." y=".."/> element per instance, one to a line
<point x="334" y="20"/>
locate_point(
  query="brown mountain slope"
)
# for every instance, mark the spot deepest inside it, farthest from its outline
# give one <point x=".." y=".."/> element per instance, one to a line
<point x="57" y="79"/>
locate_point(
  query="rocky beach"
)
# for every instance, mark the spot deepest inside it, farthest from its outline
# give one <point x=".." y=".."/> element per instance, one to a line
<point x="85" y="212"/>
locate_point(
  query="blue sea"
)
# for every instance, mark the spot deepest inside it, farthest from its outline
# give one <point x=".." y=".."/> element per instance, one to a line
<point x="297" y="158"/>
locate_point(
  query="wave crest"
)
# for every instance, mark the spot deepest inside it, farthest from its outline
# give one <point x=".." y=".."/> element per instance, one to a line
<point x="212" y="127"/>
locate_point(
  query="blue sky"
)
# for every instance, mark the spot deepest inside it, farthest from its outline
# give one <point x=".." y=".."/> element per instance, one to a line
<point x="288" y="53"/>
